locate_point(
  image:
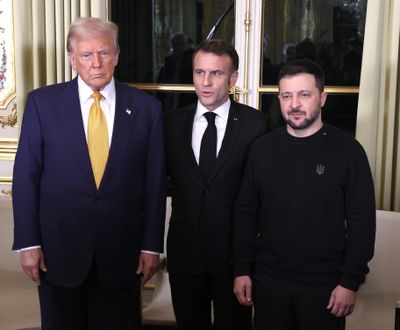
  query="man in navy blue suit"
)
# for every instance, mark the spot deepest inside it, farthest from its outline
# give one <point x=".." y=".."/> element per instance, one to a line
<point x="88" y="239"/>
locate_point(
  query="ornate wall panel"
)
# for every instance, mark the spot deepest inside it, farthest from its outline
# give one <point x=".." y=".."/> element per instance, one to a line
<point x="8" y="110"/>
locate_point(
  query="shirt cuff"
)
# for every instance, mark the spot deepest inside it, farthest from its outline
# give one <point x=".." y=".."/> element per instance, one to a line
<point x="151" y="252"/>
<point x="29" y="248"/>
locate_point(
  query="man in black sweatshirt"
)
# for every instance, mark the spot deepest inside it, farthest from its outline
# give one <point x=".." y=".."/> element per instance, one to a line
<point x="305" y="216"/>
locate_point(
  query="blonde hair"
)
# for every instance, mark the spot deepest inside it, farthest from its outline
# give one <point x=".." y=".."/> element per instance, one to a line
<point x="89" y="27"/>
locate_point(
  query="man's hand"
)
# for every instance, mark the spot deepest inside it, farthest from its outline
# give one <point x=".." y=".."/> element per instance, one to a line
<point x="242" y="288"/>
<point x="342" y="301"/>
<point x="31" y="261"/>
<point x="147" y="265"/>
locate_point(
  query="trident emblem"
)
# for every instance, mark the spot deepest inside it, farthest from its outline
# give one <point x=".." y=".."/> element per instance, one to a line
<point x="320" y="169"/>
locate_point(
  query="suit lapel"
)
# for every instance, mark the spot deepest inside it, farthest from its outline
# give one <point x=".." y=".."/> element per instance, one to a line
<point x="231" y="133"/>
<point x="125" y="116"/>
<point x="71" y="119"/>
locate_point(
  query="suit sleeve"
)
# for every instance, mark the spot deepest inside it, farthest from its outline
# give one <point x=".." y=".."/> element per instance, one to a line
<point x="245" y="221"/>
<point x="28" y="167"/>
<point x="155" y="189"/>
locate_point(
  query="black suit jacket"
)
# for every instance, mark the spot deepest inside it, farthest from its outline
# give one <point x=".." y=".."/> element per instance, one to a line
<point x="200" y="228"/>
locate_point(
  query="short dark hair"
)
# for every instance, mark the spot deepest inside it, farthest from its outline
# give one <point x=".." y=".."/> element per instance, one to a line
<point x="219" y="47"/>
<point x="304" y="66"/>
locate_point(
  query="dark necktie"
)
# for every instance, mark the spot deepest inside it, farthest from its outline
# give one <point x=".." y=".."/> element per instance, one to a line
<point x="208" y="148"/>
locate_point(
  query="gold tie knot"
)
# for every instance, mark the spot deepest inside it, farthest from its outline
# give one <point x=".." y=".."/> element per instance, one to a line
<point x="97" y="96"/>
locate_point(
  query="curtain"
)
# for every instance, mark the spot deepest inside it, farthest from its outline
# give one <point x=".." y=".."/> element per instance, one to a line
<point x="379" y="100"/>
<point x="40" y="31"/>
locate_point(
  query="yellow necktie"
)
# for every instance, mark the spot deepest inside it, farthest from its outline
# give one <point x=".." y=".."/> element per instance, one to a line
<point x="97" y="138"/>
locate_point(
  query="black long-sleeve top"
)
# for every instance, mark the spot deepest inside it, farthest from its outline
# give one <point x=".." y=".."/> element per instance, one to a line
<point x="306" y="210"/>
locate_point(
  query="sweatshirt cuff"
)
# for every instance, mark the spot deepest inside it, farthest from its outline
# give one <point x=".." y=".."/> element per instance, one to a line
<point x="351" y="282"/>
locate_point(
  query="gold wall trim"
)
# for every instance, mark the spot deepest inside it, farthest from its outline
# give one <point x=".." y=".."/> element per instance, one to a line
<point x="149" y="286"/>
<point x="7" y="99"/>
<point x="8" y="149"/>
<point x="5" y="192"/>
<point x="329" y="89"/>
<point x="108" y="10"/>
<point x="179" y="88"/>
<point x="5" y="180"/>
<point x="167" y="88"/>
<point x="11" y="119"/>
<point x="342" y="90"/>
<point x="247" y="24"/>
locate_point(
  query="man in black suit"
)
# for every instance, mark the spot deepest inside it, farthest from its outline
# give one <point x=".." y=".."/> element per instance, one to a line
<point x="207" y="144"/>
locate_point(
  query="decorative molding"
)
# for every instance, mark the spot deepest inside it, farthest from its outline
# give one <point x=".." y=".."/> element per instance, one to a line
<point x="328" y="89"/>
<point x="8" y="107"/>
<point x="149" y="286"/>
<point x="8" y="149"/>
<point x="5" y="181"/>
<point x="7" y="193"/>
<point x="7" y="67"/>
<point x="11" y="119"/>
<point x="108" y="10"/>
<point x="163" y="87"/>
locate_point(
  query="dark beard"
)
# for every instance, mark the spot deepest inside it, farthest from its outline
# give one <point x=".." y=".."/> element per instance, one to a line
<point x="307" y="122"/>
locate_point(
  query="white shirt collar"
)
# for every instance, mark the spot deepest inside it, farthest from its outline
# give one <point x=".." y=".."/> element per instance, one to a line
<point x="222" y="111"/>
<point x="85" y="92"/>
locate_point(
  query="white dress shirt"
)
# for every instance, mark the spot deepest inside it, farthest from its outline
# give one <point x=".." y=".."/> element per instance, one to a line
<point x="200" y="124"/>
<point x="107" y="104"/>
